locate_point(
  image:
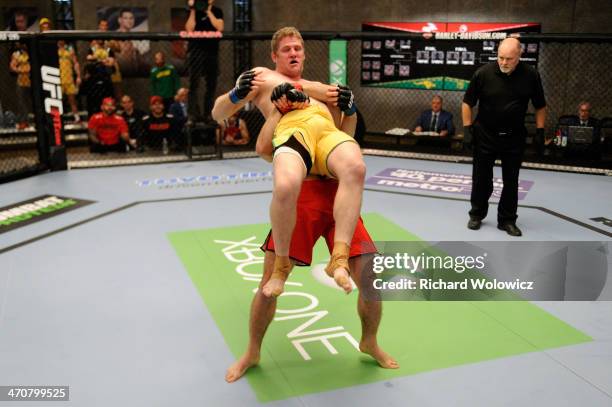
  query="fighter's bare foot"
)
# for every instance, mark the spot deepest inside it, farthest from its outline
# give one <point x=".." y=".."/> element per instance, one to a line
<point x="273" y="288"/>
<point x="239" y="368"/>
<point x="341" y="277"/>
<point x="383" y="359"/>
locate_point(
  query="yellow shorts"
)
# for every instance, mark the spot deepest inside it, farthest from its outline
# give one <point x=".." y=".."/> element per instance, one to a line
<point x="314" y="129"/>
<point x="69" y="88"/>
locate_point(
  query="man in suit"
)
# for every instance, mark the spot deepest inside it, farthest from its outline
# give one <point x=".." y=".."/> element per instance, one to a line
<point x="436" y="119"/>
<point x="179" y="108"/>
<point x="584" y="116"/>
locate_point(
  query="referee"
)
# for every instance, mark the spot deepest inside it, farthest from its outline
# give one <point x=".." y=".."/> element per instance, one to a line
<point x="502" y="91"/>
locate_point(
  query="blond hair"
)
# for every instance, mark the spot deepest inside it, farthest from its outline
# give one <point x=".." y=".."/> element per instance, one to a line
<point x="285" y="32"/>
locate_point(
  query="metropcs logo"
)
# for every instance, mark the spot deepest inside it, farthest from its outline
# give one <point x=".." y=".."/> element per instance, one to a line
<point x="438" y="181"/>
<point x="246" y="254"/>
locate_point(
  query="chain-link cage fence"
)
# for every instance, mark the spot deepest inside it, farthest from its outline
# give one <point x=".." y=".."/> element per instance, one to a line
<point x="570" y="72"/>
<point x="18" y="147"/>
<point x="179" y="126"/>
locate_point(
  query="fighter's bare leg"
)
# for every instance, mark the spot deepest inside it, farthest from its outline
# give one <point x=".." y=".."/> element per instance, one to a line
<point x="73" y="105"/>
<point x="346" y="163"/>
<point x="370" y="312"/>
<point x="262" y="313"/>
<point x="289" y="172"/>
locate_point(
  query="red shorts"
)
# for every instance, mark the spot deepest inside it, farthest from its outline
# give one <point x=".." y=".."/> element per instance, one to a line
<point x="315" y="218"/>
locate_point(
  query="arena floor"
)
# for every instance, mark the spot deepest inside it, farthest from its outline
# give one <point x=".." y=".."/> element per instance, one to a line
<point x="140" y="297"/>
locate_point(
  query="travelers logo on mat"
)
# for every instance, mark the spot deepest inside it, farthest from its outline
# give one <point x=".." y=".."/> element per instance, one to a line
<point x="205" y="180"/>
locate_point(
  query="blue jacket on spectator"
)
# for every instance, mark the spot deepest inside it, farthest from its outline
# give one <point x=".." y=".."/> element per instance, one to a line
<point x="444" y="122"/>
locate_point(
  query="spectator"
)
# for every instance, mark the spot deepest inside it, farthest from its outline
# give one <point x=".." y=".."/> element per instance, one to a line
<point x="20" y="64"/>
<point x="160" y="130"/>
<point x="179" y="108"/>
<point x="96" y="84"/>
<point x="436" y="120"/>
<point x="44" y="24"/>
<point x="233" y="131"/>
<point x="133" y="118"/>
<point x="20" y="21"/>
<point x="103" y="25"/>
<point x="202" y="55"/>
<point x="164" y="80"/>
<point x="113" y="47"/>
<point x="584" y="118"/>
<point x="107" y="129"/>
<point x="69" y="70"/>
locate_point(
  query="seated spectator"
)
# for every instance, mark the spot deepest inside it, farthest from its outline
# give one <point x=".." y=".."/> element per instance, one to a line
<point x="107" y="129"/>
<point x="133" y="118"/>
<point x="164" y="80"/>
<point x="233" y="131"/>
<point x="436" y="120"/>
<point x="584" y="116"/>
<point x="160" y="129"/>
<point x="178" y="109"/>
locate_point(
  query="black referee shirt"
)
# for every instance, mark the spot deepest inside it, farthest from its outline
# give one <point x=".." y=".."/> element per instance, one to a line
<point x="503" y="99"/>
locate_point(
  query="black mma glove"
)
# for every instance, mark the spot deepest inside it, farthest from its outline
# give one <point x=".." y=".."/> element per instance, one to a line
<point x="297" y="95"/>
<point x="293" y="94"/>
<point x="243" y="86"/>
<point x="468" y="141"/>
<point x="280" y="90"/>
<point x="346" y="100"/>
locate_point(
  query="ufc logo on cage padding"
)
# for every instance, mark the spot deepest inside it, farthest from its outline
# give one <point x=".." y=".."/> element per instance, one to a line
<point x="51" y="84"/>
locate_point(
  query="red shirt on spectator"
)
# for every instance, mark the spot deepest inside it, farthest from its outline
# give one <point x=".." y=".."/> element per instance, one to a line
<point x="108" y="128"/>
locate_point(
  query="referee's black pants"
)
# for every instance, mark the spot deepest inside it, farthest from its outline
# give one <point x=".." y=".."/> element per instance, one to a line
<point x="482" y="182"/>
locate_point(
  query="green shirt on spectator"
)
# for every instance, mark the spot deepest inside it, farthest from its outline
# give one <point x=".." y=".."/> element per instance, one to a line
<point x="164" y="81"/>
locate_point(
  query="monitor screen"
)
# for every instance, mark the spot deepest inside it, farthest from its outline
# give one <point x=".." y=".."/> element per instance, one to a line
<point x="575" y="135"/>
<point x="580" y="135"/>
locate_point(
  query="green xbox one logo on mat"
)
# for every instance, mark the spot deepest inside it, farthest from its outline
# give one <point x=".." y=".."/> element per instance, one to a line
<point x="312" y="344"/>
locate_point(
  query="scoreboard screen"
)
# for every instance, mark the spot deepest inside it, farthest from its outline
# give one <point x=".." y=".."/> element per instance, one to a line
<point x="445" y="59"/>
